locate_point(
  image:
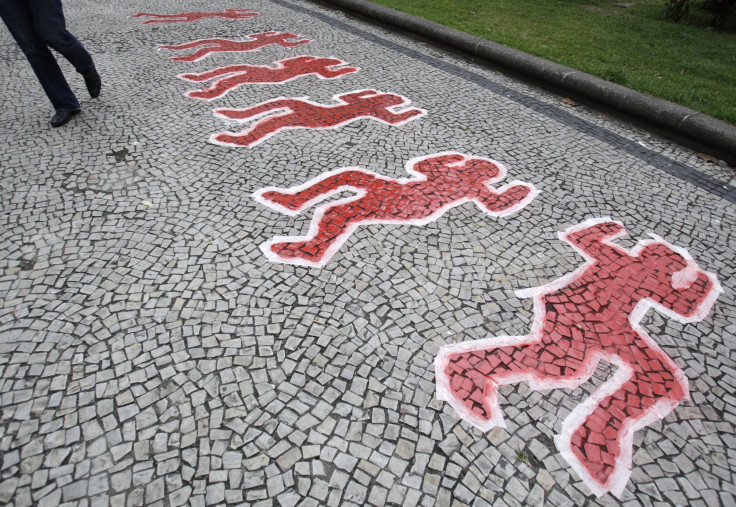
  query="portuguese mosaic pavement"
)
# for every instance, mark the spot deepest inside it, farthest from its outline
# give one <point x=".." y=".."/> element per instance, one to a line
<point x="192" y="316"/>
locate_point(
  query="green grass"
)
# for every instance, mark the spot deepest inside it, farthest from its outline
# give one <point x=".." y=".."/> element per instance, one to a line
<point x="627" y="42"/>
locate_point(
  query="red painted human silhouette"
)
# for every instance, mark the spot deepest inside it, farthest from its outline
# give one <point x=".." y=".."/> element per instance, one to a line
<point x="590" y="315"/>
<point x="254" y="42"/>
<point x="285" y="70"/>
<point x="194" y="16"/>
<point x="297" y="113"/>
<point x="439" y="182"/>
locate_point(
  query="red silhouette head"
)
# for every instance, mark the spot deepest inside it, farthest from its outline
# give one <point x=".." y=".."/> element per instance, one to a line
<point x="660" y="261"/>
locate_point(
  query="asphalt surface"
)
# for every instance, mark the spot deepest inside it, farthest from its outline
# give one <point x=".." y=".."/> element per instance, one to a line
<point x="172" y="333"/>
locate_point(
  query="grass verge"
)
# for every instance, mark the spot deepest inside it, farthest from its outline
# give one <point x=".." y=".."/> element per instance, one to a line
<point x="628" y="42"/>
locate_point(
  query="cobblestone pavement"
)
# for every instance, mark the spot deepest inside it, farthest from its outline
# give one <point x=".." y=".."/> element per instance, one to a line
<point x="178" y="326"/>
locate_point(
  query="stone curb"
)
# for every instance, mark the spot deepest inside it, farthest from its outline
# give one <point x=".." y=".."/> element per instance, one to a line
<point x="680" y="120"/>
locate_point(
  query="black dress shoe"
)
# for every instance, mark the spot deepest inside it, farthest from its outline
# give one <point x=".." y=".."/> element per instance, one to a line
<point x="93" y="82"/>
<point x="62" y="117"/>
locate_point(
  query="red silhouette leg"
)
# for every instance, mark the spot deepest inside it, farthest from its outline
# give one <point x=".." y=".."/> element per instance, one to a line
<point x="259" y="131"/>
<point x="219" y="72"/>
<point x="221" y="87"/>
<point x="651" y="392"/>
<point x="296" y="201"/>
<point x="197" y="55"/>
<point x="265" y="107"/>
<point x="197" y="43"/>
<point x="474" y="376"/>
<point x="334" y="223"/>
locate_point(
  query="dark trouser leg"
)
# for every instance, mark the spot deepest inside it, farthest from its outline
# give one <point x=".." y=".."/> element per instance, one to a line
<point x="48" y="19"/>
<point x="18" y="17"/>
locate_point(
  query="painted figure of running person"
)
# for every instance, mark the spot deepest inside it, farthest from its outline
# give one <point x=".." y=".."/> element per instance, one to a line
<point x="252" y="42"/>
<point x="280" y="114"/>
<point x="439" y="182"/>
<point x="195" y="16"/>
<point x="231" y="77"/>
<point x="591" y="315"/>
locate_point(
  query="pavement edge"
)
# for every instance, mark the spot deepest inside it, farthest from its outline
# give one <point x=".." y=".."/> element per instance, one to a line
<point x="682" y="121"/>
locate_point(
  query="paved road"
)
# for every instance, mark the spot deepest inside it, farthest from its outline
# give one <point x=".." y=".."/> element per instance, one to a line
<point x="263" y="305"/>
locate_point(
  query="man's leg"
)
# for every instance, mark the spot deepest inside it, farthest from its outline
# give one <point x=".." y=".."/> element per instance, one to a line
<point x="48" y="18"/>
<point x="18" y="17"/>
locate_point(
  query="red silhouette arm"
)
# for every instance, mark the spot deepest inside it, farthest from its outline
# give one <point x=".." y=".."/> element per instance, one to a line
<point x="221" y="71"/>
<point x="290" y="44"/>
<point x="686" y="302"/>
<point x="496" y="202"/>
<point x="355" y="96"/>
<point x="161" y="18"/>
<point x="394" y="118"/>
<point x="329" y="73"/>
<point x="218" y="88"/>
